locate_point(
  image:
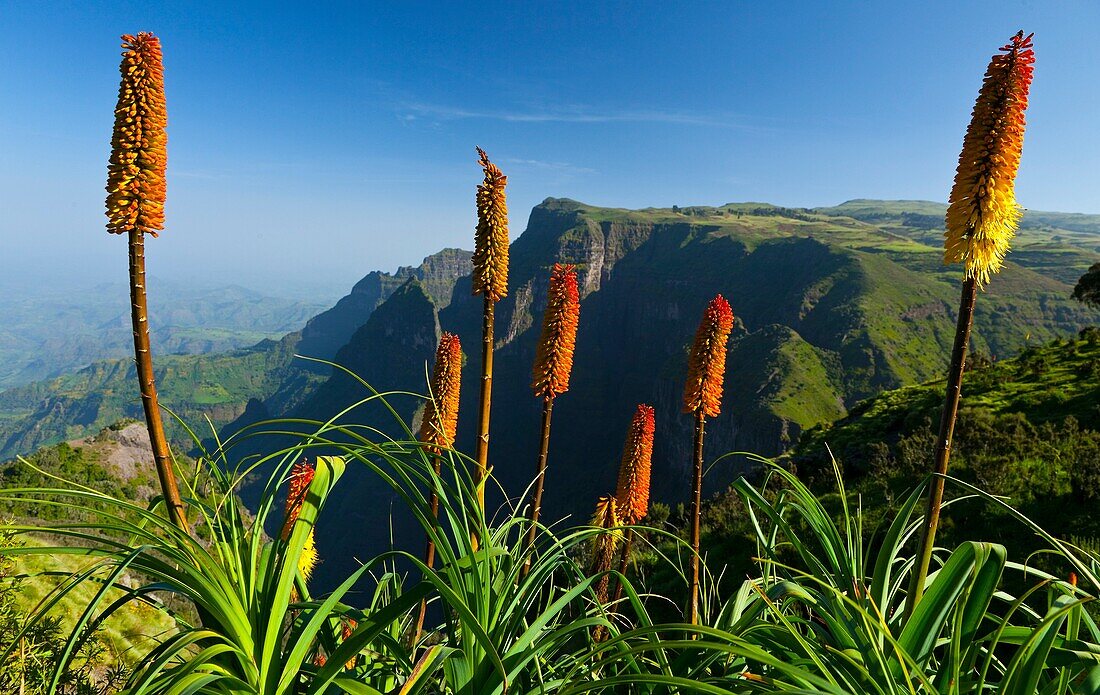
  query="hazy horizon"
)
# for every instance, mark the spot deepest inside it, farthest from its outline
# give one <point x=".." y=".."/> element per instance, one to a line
<point x="307" y="148"/>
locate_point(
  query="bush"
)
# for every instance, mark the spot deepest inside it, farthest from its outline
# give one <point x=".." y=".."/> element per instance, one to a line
<point x="41" y="645"/>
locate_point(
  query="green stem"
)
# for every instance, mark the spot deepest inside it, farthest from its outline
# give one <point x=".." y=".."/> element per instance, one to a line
<point x="143" y="357"/>
<point x="429" y="553"/>
<point x="540" y="478"/>
<point x="943" y="444"/>
<point x="482" y="470"/>
<point x="696" y="503"/>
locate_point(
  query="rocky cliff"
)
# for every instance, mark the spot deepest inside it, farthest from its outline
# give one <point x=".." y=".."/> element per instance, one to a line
<point x="829" y="311"/>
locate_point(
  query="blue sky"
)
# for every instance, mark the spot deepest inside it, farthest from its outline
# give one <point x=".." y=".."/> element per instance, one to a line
<point x="308" y="146"/>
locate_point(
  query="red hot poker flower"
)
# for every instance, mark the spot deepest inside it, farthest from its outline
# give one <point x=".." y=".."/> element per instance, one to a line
<point x="490" y="261"/>
<point x="707" y="363"/>
<point x="982" y="214"/>
<point x="632" y="492"/>
<point x="440" y="422"/>
<point x="554" y="358"/>
<point x="136" y="182"/>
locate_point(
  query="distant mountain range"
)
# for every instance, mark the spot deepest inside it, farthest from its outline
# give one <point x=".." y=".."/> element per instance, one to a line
<point x="48" y="331"/>
<point x="833" y="305"/>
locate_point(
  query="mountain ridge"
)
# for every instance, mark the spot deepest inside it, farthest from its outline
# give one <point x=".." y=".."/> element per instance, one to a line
<point x="47" y="331"/>
<point x="831" y="309"/>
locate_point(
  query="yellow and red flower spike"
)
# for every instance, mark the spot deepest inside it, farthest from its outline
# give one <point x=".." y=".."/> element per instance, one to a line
<point x="307" y="561"/>
<point x="554" y="357"/>
<point x="982" y="214"/>
<point x="440" y="422"/>
<point x="607" y="518"/>
<point x="301" y="475"/>
<point x="632" y="491"/>
<point x="607" y="514"/>
<point x="707" y="363"/>
<point x="136" y="183"/>
<point x="490" y="261"/>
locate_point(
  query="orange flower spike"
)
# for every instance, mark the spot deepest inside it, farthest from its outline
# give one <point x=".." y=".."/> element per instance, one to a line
<point x="490" y="261"/>
<point x="632" y="492"/>
<point x="136" y="182"/>
<point x="301" y="475"/>
<point x="982" y="214"/>
<point x="707" y="364"/>
<point x="440" y="422"/>
<point x="554" y="358"/>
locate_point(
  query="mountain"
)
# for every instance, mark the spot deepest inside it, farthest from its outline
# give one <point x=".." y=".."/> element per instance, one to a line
<point x="833" y="305"/>
<point x="49" y="331"/>
<point x="217" y="385"/>
<point x="830" y="310"/>
<point x="330" y="330"/>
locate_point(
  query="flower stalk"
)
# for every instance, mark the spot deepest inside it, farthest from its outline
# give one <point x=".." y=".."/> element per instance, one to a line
<point x="632" y="491"/>
<point x="603" y="554"/>
<point x="301" y="476"/>
<point x="703" y="399"/>
<point x="490" y="279"/>
<point x="438" y="429"/>
<point x="552" y="368"/>
<point x="136" y="191"/>
<point x="982" y="217"/>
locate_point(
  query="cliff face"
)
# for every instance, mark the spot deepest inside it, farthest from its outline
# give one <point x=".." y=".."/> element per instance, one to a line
<point x="828" y="311"/>
<point x="330" y="330"/>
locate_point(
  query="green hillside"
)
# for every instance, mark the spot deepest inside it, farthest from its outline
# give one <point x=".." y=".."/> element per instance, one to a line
<point x="1056" y="243"/>
<point x="1028" y="429"/>
<point x="115" y="461"/>
<point x="194" y="386"/>
<point x="216" y="386"/>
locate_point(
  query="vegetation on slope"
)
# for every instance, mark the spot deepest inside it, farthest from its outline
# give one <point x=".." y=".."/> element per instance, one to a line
<point x="118" y="463"/>
<point x="1029" y="429"/>
<point x="818" y="612"/>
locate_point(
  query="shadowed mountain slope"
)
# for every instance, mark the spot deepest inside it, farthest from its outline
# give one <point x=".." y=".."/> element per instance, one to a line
<point x="830" y="310"/>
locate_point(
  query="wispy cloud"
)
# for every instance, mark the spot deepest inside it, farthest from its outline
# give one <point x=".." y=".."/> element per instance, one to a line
<point x="569" y="114"/>
<point x="552" y="167"/>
